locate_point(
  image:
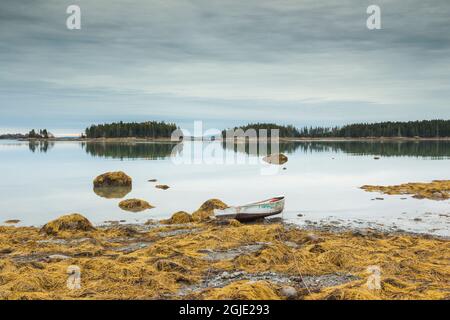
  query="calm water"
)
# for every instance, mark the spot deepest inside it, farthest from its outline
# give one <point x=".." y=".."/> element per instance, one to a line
<point x="42" y="181"/>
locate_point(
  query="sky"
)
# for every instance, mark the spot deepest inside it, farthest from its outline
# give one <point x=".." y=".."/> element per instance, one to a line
<point x="224" y="62"/>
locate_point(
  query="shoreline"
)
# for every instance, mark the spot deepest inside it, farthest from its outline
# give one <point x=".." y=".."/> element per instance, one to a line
<point x="238" y="140"/>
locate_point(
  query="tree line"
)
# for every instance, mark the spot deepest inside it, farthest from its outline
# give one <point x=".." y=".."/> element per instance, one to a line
<point x="283" y="131"/>
<point x="410" y="129"/>
<point x="149" y="129"/>
<point x="155" y="129"/>
<point x="39" y="134"/>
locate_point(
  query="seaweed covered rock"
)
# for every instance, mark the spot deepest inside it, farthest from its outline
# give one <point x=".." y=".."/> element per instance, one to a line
<point x="113" y="179"/>
<point x="169" y="266"/>
<point x="178" y="218"/>
<point x="435" y="190"/>
<point x="276" y="158"/>
<point x="234" y="223"/>
<point x="135" y="205"/>
<point x="245" y="290"/>
<point x="71" y="222"/>
<point x="206" y="210"/>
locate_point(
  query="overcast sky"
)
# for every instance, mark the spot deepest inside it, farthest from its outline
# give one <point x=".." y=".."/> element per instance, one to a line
<point x="225" y="62"/>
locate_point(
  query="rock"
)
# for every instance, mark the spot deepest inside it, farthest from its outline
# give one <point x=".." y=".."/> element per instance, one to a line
<point x="113" y="179"/>
<point x="376" y="158"/>
<point x="135" y="205"/>
<point x="57" y="257"/>
<point x="234" y="223"/>
<point x="151" y="222"/>
<point x="291" y="244"/>
<point x="178" y="218"/>
<point x="288" y="292"/>
<point x="112" y="192"/>
<point x="72" y="222"/>
<point x="311" y="237"/>
<point x="168" y="265"/>
<point x="6" y="251"/>
<point x="276" y="158"/>
<point x="417" y="219"/>
<point x="162" y="186"/>
<point x="13" y="221"/>
<point x="317" y="249"/>
<point x="437" y="195"/>
<point x="206" y="210"/>
<point x="379" y="198"/>
<point x="300" y="215"/>
<point x="152" y="180"/>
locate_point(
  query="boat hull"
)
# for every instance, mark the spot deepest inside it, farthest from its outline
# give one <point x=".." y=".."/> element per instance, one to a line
<point x="253" y="211"/>
<point x="247" y="217"/>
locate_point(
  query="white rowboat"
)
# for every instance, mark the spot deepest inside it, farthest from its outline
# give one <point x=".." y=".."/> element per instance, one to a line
<point x="252" y="211"/>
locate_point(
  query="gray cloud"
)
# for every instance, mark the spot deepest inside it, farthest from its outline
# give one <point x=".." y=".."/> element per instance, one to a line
<point x="223" y="61"/>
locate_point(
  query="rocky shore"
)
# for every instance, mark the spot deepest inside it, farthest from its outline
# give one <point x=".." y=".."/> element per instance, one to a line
<point x="199" y="257"/>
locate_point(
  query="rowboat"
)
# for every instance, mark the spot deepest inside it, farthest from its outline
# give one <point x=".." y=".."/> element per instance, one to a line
<point x="252" y="211"/>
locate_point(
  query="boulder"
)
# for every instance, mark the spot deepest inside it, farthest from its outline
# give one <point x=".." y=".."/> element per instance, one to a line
<point x="276" y="158"/>
<point x="288" y="292"/>
<point x="72" y="222"/>
<point x="234" y="223"/>
<point x="113" y="179"/>
<point x="178" y="218"/>
<point x="135" y="205"/>
<point x="206" y="210"/>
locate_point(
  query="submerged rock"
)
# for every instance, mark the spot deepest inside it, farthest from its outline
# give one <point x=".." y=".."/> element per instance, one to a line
<point x="71" y="222"/>
<point x="135" y="205"/>
<point x="277" y="158"/>
<point x="112" y="192"/>
<point x="179" y="217"/>
<point x="206" y="210"/>
<point x="113" y="179"/>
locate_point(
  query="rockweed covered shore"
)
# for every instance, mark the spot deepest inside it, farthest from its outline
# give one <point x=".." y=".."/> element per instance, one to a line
<point x="204" y="259"/>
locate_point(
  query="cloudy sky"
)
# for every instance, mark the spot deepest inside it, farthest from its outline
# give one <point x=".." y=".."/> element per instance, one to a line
<point x="225" y="62"/>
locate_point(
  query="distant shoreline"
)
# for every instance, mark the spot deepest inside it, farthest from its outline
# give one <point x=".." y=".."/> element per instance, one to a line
<point x="282" y="139"/>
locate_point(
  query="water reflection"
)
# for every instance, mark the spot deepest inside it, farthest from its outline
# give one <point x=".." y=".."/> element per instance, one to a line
<point x="255" y="149"/>
<point x="157" y="151"/>
<point x="126" y="150"/>
<point x="40" y="146"/>
<point x="428" y="149"/>
<point x="112" y="192"/>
